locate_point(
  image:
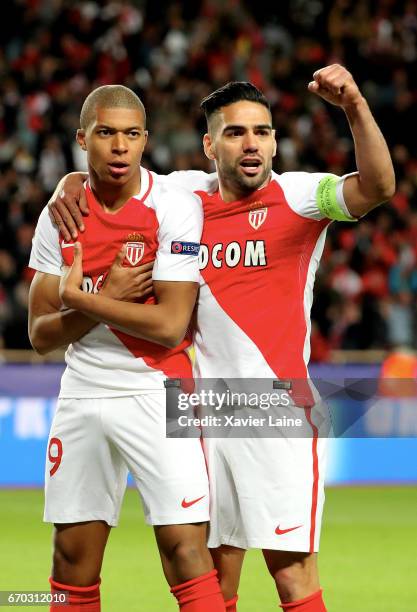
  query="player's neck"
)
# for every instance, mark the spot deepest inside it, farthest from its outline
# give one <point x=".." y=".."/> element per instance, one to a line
<point x="113" y="197"/>
<point x="232" y="193"/>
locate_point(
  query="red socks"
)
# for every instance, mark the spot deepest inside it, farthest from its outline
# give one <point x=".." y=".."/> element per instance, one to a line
<point x="202" y="594"/>
<point x="231" y="604"/>
<point x="311" y="603"/>
<point x="80" y="599"/>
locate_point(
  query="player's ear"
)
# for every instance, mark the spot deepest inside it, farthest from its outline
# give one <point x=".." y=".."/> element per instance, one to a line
<point x="274" y="150"/>
<point x="208" y="146"/>
<point x="80" y="138"/>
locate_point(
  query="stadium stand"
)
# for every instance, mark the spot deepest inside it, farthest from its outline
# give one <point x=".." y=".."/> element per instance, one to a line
<point x="174" y="53"/>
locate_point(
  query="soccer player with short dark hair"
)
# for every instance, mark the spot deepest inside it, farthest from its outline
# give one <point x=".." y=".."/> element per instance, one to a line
<point x="110" y="416"/>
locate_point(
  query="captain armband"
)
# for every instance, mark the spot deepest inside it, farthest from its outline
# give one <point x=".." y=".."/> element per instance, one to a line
<point x="328" y="202"/>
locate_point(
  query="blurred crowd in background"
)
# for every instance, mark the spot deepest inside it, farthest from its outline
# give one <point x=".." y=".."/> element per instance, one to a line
<point x="54" y="52"/>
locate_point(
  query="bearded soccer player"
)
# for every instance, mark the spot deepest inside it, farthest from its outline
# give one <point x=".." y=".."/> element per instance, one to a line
<point x="262" y="241"/>
<point x="111" y="407"/>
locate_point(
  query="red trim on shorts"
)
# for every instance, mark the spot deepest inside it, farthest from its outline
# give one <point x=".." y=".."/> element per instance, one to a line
<point x="314" y="492"/>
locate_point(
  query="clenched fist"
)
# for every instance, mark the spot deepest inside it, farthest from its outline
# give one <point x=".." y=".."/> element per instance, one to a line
<point x="336" y="85"/>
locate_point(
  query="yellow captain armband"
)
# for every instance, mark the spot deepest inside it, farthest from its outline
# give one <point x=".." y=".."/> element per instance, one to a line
<point x="327" y="201"/>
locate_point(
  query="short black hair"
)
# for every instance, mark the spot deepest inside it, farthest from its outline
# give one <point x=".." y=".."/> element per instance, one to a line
<point x="109" y="96"/>
<point x="232" y="92"/>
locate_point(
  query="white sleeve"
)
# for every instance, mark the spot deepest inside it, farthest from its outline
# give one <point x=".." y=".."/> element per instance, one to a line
<point x="46" y="254"/>
<point x="193" y="180"/>
<point x="180" y="218"/>
<point x="315" y="195"/>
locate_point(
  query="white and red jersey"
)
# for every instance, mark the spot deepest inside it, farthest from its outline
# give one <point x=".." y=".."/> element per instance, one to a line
<point x="162" y="222"/>
<point x="258" y="260"/>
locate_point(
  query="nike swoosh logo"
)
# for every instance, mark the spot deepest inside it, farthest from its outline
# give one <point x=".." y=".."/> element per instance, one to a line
<point x="279" y="531"/>
<point x="187" y="504"/>
<point x="65" y="245"/>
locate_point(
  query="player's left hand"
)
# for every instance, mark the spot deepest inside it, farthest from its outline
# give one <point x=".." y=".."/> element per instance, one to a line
<point x="72" y="278"/>
<point x="336" y="85"/>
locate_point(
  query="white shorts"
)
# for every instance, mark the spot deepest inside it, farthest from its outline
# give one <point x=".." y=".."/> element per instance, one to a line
<point x="92" y="445"/>
<point x="266" y="493"/>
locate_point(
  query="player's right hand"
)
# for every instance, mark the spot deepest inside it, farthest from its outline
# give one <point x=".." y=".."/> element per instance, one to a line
<point x="126" y="283"/>
<point x="72" y="278"/>
<point x="68" y="204"/>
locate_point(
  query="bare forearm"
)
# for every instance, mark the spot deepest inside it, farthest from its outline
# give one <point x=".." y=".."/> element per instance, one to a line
<point x="58" y="329"/>
<point x="153" y="322"/>
<point x="373" y="160"/>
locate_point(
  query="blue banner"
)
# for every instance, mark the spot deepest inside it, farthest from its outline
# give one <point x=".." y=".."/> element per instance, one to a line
<point x="385" y="451"/>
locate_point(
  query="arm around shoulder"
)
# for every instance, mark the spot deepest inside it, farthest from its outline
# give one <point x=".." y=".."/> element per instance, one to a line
<point x="68" y="203"/>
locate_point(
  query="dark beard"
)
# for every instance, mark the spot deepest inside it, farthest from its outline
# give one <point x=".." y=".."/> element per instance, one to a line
<point x="242" y="184"/>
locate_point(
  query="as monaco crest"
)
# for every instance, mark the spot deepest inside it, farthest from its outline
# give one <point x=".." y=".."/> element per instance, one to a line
<point x="134" y="252"/>
<point x="257" y="217"/>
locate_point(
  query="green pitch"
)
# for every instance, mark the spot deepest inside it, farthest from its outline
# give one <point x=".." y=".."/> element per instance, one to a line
<point x="367" y="560"/>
